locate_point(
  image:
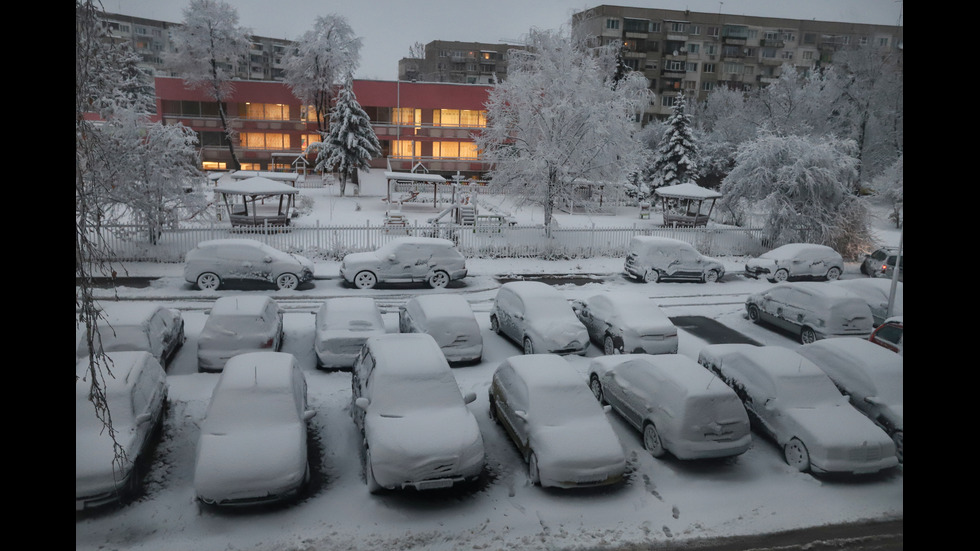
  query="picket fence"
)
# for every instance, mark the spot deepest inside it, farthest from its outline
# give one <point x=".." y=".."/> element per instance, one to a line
<point x="132" y="243"/>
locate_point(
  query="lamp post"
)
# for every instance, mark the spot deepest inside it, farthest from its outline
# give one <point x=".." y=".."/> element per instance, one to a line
<point x="895" y="271"/>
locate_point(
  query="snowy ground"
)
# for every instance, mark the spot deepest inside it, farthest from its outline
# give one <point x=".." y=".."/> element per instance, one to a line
<point x="663" y="501"/>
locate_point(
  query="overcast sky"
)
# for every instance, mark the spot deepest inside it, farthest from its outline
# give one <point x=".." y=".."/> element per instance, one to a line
<point x="390" y="27"/>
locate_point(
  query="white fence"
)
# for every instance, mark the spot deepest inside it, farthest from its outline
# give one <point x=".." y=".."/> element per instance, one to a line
<point x="132" y="243"/>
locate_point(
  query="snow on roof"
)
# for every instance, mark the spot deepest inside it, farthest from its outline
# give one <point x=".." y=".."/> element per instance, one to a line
<point x="790" y="250"/>
<point x="257" y="185"/>
<point x="545" y="370"/>
<point x="277" y="176"/>
<point x="121" y="364"/>
<point x="118" y="314"/>
<point x="240" y="305"/>
<point x="408" y="354"/>
<point x="451" y="306"/>
<point x="687" y="190"/>
<point x="271" y="370"/>
<point x="411" y="176"/>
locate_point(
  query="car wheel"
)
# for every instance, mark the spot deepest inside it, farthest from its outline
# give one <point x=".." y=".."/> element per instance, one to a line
<point x="532" y="470"/>
<point x="807" y="335"/>
<point x="711" y="276"/>
<point x="899" y="438"/>
<point x="596" y="387"/>
<point x="365" y="280"/>
<point x="438" y="280"/>
<point x="528" y="347"/>
<point x="492" y="411"/>
<point x="208" y="281"/>
<point x="494" y="324"/>
<point x="753" y="313"/>
<point x="780" y="275"/>
<point x="796" y="455"/>
<point x="286" y="282"/>
<point x="833" y="273"/>
<point x="651" y="276"/>
<point x="609" y="346"/>
<point x="864" y="269"/>
<point x="652" y="442"/>
<point x="372" y="484"/>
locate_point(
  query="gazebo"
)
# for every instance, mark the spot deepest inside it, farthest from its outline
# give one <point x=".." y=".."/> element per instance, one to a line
<point x="683" y="204"/>
<point x="433" y="179"/>
<point x="245" y="201"/>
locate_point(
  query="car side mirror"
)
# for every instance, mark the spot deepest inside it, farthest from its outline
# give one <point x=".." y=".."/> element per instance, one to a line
<point x="606" y="408"/>
<point x="309" y="414"/>
<point x="143" y="418"/>
<point x="362" y="403"/>
<point x="392" y="258"/>
<point x="469" y="398"/>
<point x="267" y="260"/>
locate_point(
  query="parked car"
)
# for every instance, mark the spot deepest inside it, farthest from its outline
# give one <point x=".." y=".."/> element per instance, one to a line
<point x="876" y="292"/>
<point x="136" y="326"/>
<point x="238" y="324"/>
<point x="450" y="321"/>
<point x="415" y="427"/>
<point x="405" y="259"/>
<point x="342" y="326"/>
<point x="677" y="405"/>
<point x="889" y="267"/>
<point x="627" y="323"/>
<point x="797" y="261"/>
<point x="874" y="263"/>
<point x="793" y="402"/>
<point x="215" y="263"/>
<point x="811" y="310"/>
<point x="136" y="398"/>
<point x="537" y="317"/>
<point x="253" y="443"/>
<point x="653" y="259"/>
<point x="560" y="430"/>
<point x="891" y="334"/>
<point x="871" y="378"/>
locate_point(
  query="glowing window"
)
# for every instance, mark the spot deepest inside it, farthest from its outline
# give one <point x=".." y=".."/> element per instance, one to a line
<point x="267" y="111"/>
<point x="406" y="148"/>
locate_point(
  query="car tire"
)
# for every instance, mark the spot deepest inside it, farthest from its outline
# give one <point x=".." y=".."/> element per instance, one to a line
<point x="533" y="474"/>
<point x="208" y="281"/>
<point x="365" y="280"/>
<point x="753" y="313"/>
<point x="596" y="388"/>
<point x="807" y="335"/>
<point x="711" y="276"/>
<point x="287" y="282"/>
<point x="372" y="483"/>
<point x="652" y="441"/>
<point x="651" y="276"/>
<point x="494" y="324"/>
<point x="833" y="274"/>
<point x="438" y="280"/>
<point x="609" y="346"/>
<point x="796" y="455"/>
<point x="492" y="411"/>
<point x="528" y="346"/>
<point x="779" y="276"/>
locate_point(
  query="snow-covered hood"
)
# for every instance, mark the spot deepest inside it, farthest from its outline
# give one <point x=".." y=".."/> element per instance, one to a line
<point x="560" y="331"/>
<point x="361" y="259"/>
<point x="420" y="435"/>
<point x="303" y="261"/>
<point x="587" y="443"/>
<point x="836" y="426"/>
<point x="762" y="263"/>
<point x="94" y="455"/>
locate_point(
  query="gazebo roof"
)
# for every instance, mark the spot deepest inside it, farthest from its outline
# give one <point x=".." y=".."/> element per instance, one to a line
<point x="257" y="186"/>
<point x="687" y="190"/>
<point x="413" y="177"/>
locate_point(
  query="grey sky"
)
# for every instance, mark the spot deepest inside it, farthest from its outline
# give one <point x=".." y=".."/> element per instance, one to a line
<point x="389" y="27"/>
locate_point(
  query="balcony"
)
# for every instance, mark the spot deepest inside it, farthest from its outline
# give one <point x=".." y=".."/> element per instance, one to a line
<point x="772" y="43"/>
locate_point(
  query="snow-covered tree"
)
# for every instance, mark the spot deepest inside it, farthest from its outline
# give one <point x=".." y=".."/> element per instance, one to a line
<point x="802" y="186"/>
<point x="677" y="158"/>
<point x="209" y="44"/>
<point x="559" y="120"/>
<point x="322" y="58"/>
<point x="351" y="142"/>
<point x="889" y="184"/>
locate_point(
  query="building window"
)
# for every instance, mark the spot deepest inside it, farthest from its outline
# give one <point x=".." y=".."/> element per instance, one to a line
<point x="635" y="25"/>
<point x="690" y="85"/>
<point x="707" y="86"/>
<point x="711" y="49"/>
<point x="655" y="26"/>
<point x="789" y="37"/>
<point x="212" y="165"/>
<point x="883" y="42"/>
<point x="770" y="35"/>
<point x="753" y="34"/>
<point x="406" y="149"/>
<point x="708" y="68"/>
<point x="691" y="67"/>
<point x="674" y="65"/>
<point x="212" y="139"/>
<point x="733" y="68"/>
<point x="787" y="54"/>
<point x="406" y="116"/>
<point x="267" y="111"/>
<point x="693" y="47"/>
<point x="307" y="139"/>
<point x="863" y="41"/>
<point x="769" y="53"/>
<point x="807" y="55"/>
<point x="265" y="140"/>
<point x="695" y="30"/>
<point x="445" y="150"/>
<point x="676" y="27"/>
<point x="612" y="24"/>
<point x="651" y="65"/>
<point x="667" y="101"/>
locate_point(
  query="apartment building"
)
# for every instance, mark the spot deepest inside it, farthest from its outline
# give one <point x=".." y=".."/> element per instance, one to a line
<point x="692" y="53"/>
<point x="421" y="125"/>
<point x="459" y="62"/>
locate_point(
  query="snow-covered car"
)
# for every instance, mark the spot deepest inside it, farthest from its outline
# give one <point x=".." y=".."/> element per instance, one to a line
<point x="793" y="402"/>
<point x="653" y="259"/>
<point x="626" y="323"/>
<point x="876" y="262"/>
<point x="253" y="443"/>
<point x="416" y="431"/>
<point x="405" y="259"/>
<point x="136" y="326"/>
<point x="876" y="292"/>
<point x="218" y="262"/>
<point x="797" y="261"/>
<point x="811" y="310"/>
<point x="871" y="378"/>
<point x="677" y="405"/>
<point x="559" y="428"/>
<point x="342" y="326"/>
<point x="450" y="321"/>
<point x="891" y="335"/>
<point x="236" y="325"/>
<point x="136" y="398"/>
<point x="538" y="318"/>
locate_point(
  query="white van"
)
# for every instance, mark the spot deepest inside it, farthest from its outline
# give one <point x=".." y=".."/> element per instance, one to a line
<point x="653" y="259"/>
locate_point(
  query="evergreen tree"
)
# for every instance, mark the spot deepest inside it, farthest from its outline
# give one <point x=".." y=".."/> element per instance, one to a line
<point x="677" y="158"/>
<point x="350" y="144"/>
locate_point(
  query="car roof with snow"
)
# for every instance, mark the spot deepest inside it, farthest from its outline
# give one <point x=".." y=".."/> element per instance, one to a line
<point x="243" y="305"/>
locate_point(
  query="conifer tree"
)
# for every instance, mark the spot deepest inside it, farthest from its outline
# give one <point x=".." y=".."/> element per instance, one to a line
<point x="677" y="158"/>
<point x="350" y="143"/>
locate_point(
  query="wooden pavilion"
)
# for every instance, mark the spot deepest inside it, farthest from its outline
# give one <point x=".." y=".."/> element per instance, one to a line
<point x="684" y="204"/>
<point x="246" y="199"/>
